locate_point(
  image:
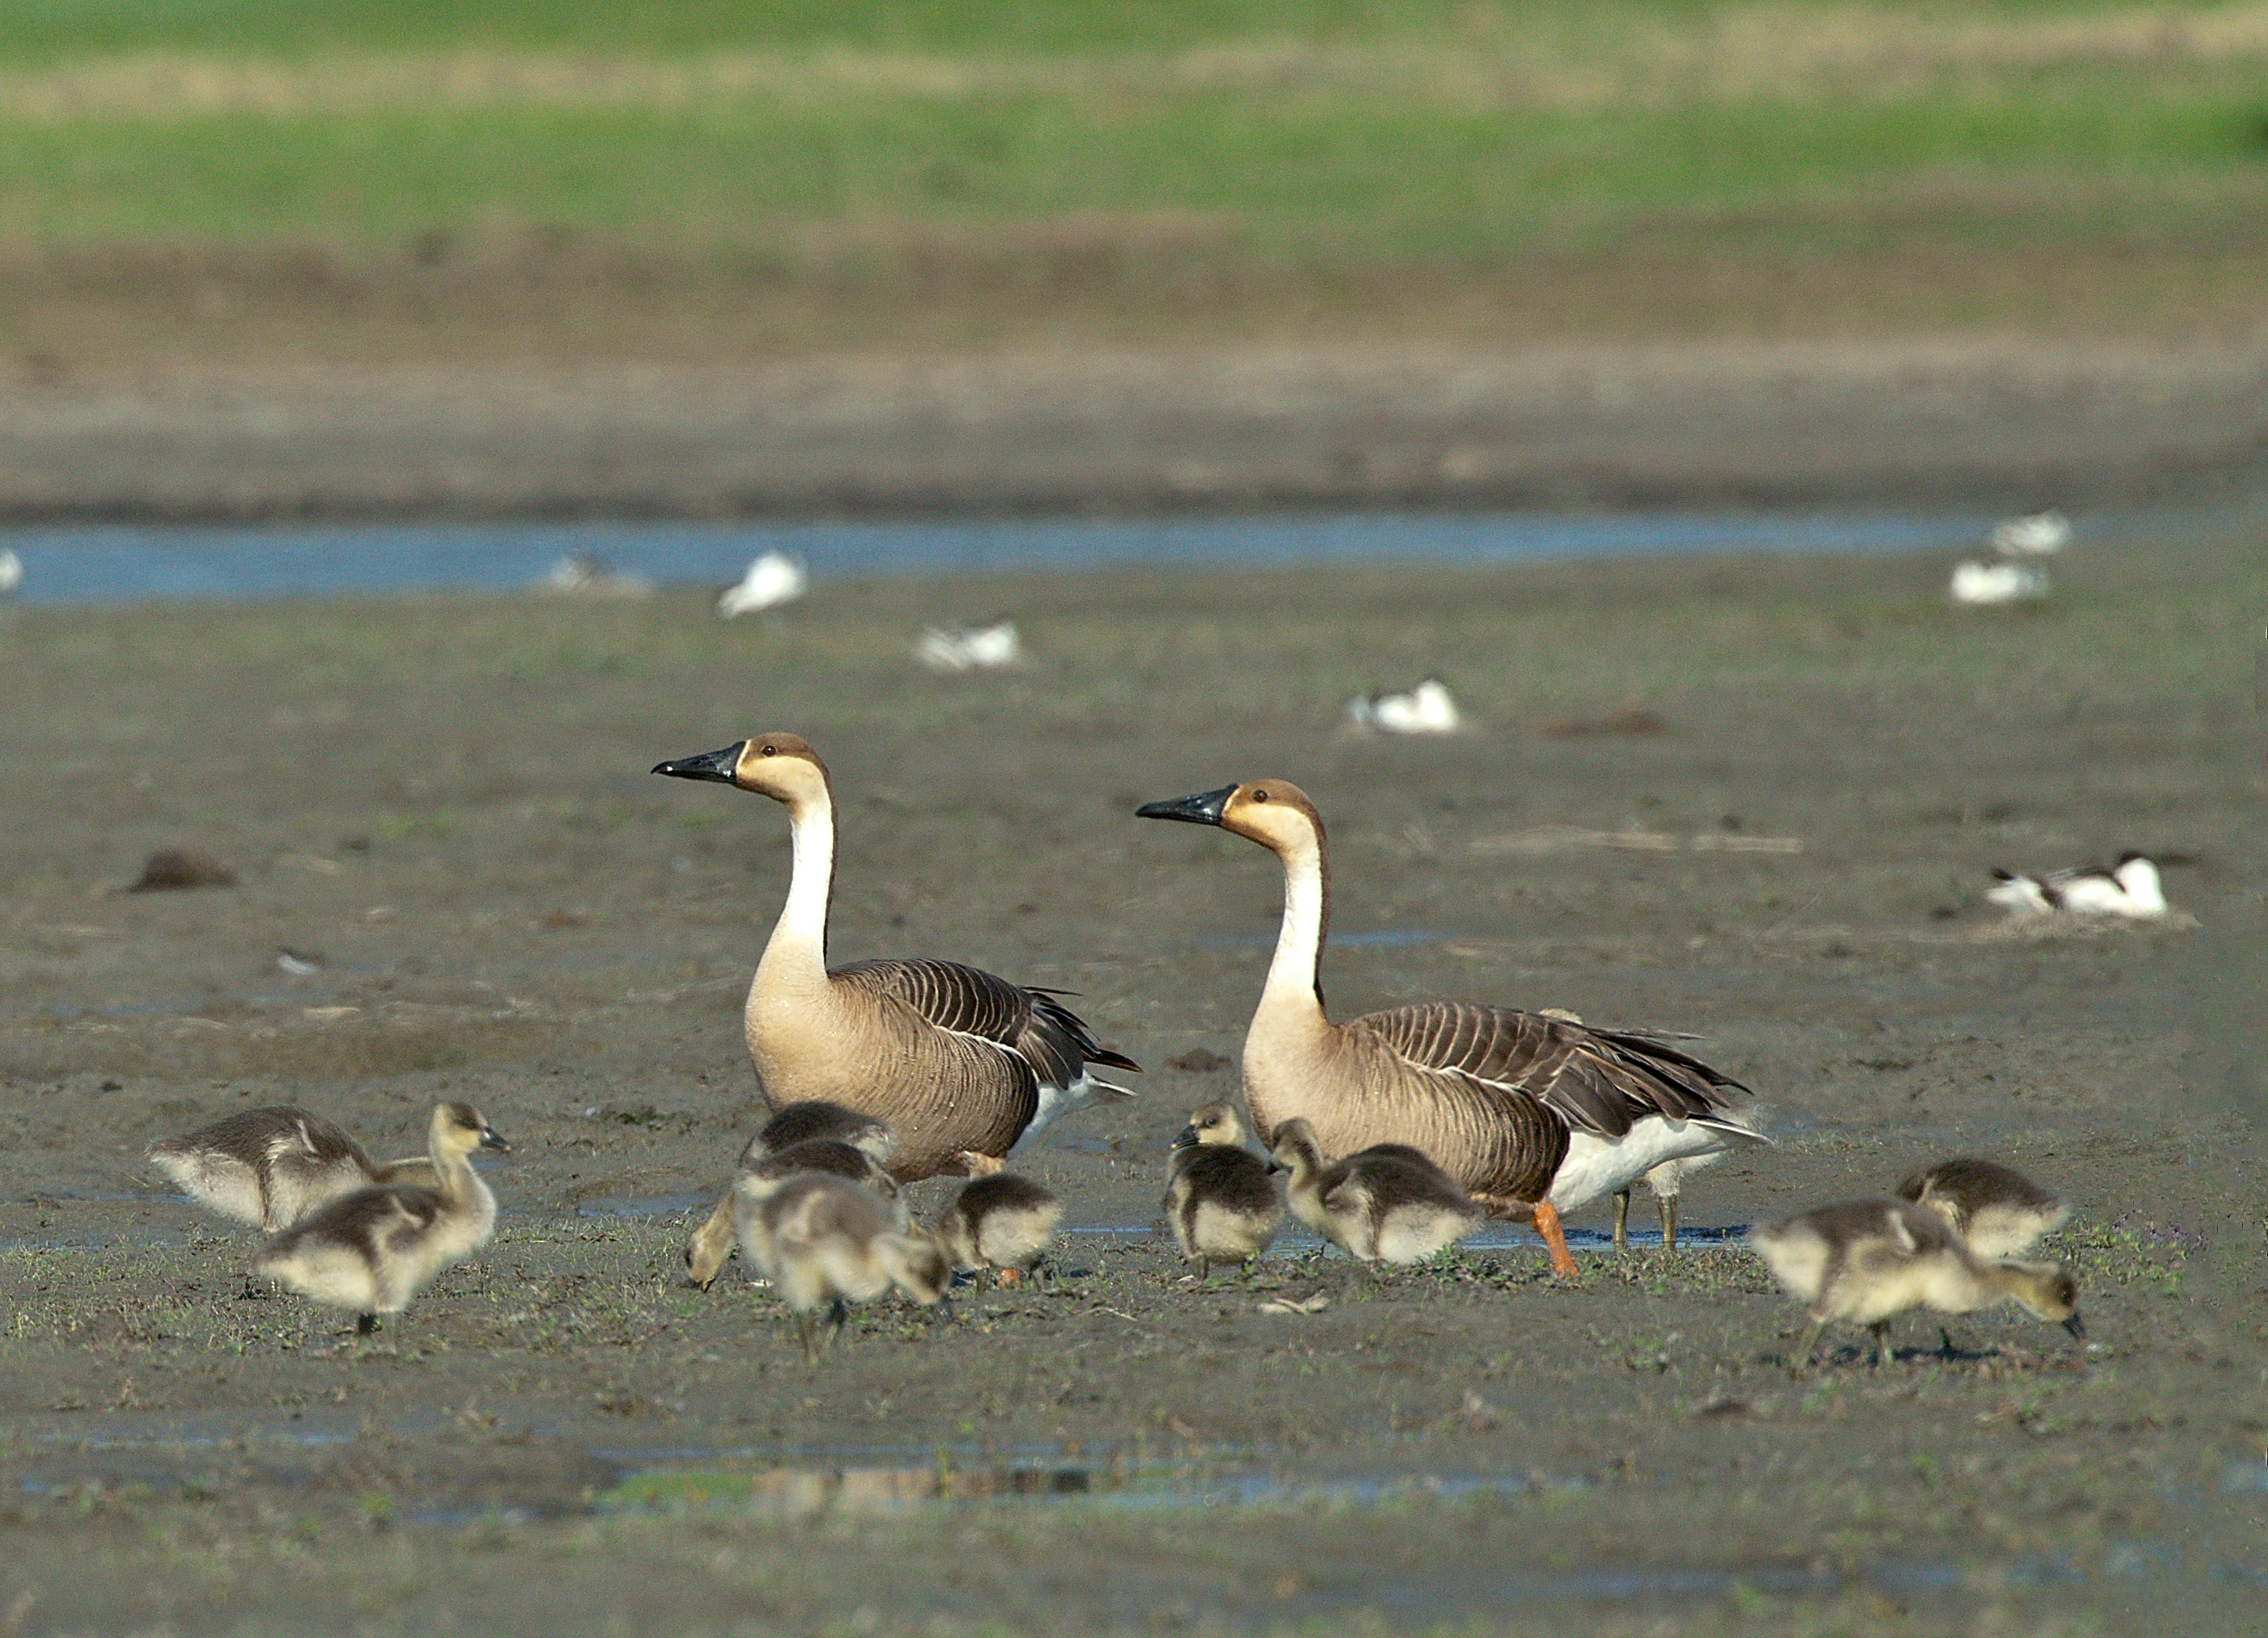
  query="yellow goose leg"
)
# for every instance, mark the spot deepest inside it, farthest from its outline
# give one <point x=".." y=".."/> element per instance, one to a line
<point x="1547" y="1224"/>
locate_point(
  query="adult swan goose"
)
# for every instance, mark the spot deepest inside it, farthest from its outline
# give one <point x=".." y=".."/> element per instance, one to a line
<point x="963" y="1065"/>
<point x="1531" y="1114"/>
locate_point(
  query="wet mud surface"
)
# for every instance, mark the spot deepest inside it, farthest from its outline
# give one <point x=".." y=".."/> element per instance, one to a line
<point x="1893" y="422"/>
<point x="442" y="805"/>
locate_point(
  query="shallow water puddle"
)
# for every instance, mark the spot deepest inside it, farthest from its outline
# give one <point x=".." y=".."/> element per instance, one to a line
<point x="643" y="1205"/>
<point x="854" y="1490"/>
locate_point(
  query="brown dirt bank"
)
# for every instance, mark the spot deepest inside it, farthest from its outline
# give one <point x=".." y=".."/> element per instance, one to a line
<point x="445" y="801"/>
<point x="2007" y="421"/>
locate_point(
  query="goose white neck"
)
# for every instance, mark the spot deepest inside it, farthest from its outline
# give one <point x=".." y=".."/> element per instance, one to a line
<point x="800" y="934"/>
<point x="1294" y="979"/>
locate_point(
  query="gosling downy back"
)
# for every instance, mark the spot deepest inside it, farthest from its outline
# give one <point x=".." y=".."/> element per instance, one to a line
<point x="272" y="1166"/>
<point x="1996" y="1208"/>
<point x="374" y="1249"/>
<point x="816" y="1117"/>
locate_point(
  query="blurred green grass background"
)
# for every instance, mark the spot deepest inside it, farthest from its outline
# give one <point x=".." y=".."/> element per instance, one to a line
<point x="1173" y="158"/>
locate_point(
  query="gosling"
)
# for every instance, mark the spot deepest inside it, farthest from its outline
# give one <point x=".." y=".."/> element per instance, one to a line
<point x="711" y="1244"/>
<point x="272" y="1166"/>
<point x="1865" y="1260"/>
<point x="373" y="1250"/>
<point x="799" y="1123"/>
<point x="1220" y="1197"/>
<point x="1001" y="1222"/>
<point x="1387" y="1203"/>
<point x="1998" y="1210"/>
<point x="826" y="1242"/>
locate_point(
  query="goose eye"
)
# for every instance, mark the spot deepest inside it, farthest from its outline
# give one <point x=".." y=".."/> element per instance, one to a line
<point x="766" y="750"/>
<point x="1260" y="795"/>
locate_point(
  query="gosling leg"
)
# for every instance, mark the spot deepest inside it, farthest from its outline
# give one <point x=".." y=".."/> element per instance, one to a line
<point x="1882" y="1330"/>
<point x="365" y="1325"/>
<point x="1810" y="1344"/>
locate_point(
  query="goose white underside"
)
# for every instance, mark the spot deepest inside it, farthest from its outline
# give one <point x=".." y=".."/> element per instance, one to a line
<point x="1596" y="1167"/>
<point x="1060" y="1100"/>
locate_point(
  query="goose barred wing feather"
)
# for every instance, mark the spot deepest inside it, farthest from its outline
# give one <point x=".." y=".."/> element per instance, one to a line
<point x="1031" y="1023"/>
<point x="1598" y="1081"/>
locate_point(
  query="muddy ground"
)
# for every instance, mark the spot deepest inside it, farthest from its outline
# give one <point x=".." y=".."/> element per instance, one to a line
<point x="444" y="802"/>
<point x="1994" y="420"/>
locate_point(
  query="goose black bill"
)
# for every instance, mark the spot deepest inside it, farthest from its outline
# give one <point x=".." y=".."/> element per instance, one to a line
<point x="1204" y="808"/>
<point x="717" y="765"/>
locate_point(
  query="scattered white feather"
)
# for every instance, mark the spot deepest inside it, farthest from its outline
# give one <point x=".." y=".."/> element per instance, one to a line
<point x="2041" y="534"/>
<point x="578" y="574"/>
<point x="1427" y="709"/>
<point x="299" y="963"/>
<point x="11" y="570"/>
<point x="1977" y="585"/>
<point x="970" y="648"/>
<point x="771" y="580"/>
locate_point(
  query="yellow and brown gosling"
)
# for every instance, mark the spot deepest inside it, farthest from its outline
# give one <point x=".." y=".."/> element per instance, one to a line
<point x="825" y="1242"/>
<point x="1003" y="1222"/>
<point x="1221" y="1199"/>
<point x="272" y="1166"/>
<point x="1998" y="1210"/>
<point x="711" y="1244"/>
<point x="373" y="1250"/>
<point x="1866" y="1261"/>
<point x="816" y="1117"/>
<point x="1387" y="1203"/>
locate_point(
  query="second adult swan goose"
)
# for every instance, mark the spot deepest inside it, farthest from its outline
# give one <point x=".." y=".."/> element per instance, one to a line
<point x="1492" y="1095"/>
<point x="957" y="1060"/>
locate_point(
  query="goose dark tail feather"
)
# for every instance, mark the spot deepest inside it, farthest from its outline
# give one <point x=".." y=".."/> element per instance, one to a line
<point x="1044" y="1002"/>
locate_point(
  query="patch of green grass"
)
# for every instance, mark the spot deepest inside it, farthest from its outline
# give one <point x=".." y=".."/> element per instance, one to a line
<point x="1328" y="133"/>
<point x="1347" y="178"/>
